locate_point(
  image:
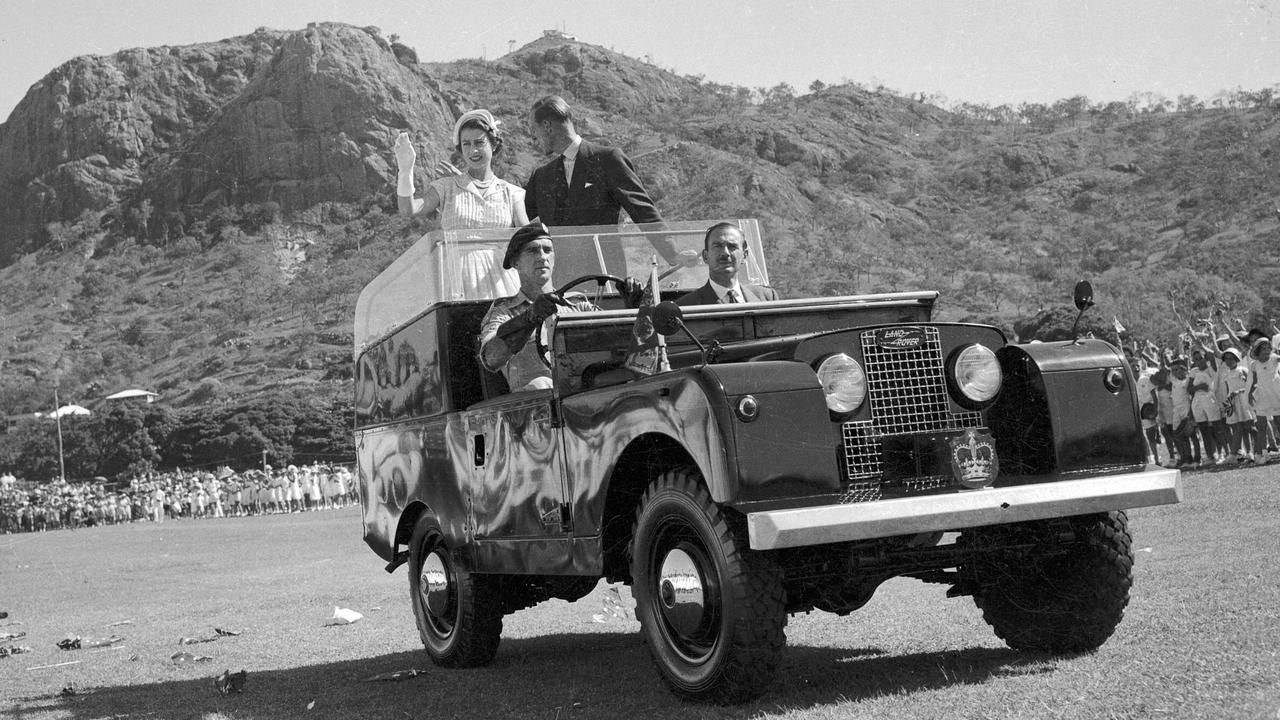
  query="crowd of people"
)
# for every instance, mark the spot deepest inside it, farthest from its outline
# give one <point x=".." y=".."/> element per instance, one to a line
<point x="1214" y="399"/>
<point x="155" y="497"/>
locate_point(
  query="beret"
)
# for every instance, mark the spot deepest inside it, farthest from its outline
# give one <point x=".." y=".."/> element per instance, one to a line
<point x="523" y="236"/>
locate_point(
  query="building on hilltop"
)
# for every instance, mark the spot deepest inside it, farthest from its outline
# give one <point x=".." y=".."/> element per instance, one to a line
<point x="149" y="396"/>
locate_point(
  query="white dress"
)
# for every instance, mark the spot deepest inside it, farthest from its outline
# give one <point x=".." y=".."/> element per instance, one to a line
<point x="468" y="205"/>
<point x="1265" y="381"/>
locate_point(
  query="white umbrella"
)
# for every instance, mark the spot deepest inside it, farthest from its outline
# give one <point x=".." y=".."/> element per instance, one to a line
<point x="66" y="410"/>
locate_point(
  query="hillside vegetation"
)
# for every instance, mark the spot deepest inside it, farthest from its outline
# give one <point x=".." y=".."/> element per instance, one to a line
<point x="199" y="220"/>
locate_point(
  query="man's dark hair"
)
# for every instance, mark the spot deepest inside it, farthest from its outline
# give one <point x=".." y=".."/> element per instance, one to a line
<point x="553" y="108"/>
<point x="706" y="239"/>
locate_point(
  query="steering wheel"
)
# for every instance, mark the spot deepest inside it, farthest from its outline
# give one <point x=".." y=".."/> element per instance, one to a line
<point x="558" y="295"/>
<point x="600" y="280"/>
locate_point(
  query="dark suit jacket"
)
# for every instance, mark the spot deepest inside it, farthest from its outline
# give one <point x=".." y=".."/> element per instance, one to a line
<point x="604" y="181"/>
<point x="706" y="295"/>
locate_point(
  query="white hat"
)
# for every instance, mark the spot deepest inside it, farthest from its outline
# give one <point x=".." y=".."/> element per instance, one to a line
<point x="485" y="117"/>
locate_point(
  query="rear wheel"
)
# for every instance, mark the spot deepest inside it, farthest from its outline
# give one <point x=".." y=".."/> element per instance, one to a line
<point x="458" y="613"/>
<point x="1067" y="601"/>
<point x="711" y="610"/>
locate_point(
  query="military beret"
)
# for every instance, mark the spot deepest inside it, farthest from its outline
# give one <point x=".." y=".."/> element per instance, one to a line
<point x="523" y="236"/>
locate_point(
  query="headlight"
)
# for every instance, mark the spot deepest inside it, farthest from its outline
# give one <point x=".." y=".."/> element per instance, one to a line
<point x="843" y="382"/>
<point x="975" y="375"/>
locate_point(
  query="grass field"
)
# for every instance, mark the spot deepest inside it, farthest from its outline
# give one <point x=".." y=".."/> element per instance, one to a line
<point x="1199" y="640"/>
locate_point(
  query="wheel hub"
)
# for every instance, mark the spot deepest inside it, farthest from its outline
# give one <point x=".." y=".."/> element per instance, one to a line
<point x="681" y="592"/>
<point x="433" y="584"/>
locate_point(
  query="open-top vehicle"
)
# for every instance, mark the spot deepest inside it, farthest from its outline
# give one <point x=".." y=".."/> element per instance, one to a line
<point x="798" y="454"/>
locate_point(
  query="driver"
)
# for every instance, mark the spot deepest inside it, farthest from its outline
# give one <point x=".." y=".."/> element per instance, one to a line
<point x="508" y="327"/>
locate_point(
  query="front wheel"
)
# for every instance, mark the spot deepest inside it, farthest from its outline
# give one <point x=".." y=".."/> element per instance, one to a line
<point x="458" y="612"/>
<point x="1059" y="599"/>
<point x="711" y="610"/>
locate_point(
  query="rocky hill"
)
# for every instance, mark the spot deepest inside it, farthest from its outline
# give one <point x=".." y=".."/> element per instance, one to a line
<point x="198" y="220"/>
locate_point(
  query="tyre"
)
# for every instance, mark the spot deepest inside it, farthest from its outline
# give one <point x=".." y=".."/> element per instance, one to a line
<point x="458" y="613"/>
<point x="1060" y="601"/>
<point x="711" y="610"/>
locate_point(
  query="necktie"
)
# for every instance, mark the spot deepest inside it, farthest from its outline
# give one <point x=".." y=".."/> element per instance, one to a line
<point x="561" y="189"/>
<point x="731" y="296"/>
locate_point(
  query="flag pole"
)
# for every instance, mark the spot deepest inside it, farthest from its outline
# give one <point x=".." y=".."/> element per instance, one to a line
<point x="57" y="417"/>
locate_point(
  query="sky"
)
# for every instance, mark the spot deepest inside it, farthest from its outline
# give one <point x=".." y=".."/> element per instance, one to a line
<point x="982" y="51"/>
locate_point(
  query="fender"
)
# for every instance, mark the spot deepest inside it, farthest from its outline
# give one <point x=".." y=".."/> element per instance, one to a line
<point x="1056" y="413"/>
<point x="787" y="450"/>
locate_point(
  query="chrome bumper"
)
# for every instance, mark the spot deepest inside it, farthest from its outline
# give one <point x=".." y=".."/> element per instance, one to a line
<point x="798" y="527"/>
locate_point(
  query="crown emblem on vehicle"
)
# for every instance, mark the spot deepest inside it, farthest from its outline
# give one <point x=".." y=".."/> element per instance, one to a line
<point x="973" y="458"/>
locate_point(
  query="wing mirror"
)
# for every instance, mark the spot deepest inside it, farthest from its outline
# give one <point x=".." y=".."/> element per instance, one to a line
<point x="668" y="318"/>
<point x="1084" y="295"/>
<point x="1084" y="301"/>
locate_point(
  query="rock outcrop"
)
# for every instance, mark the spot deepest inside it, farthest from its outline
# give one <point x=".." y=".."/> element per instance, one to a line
<point x="315" y="124"/>
<point x="80" y="138"/>
<point x="290" y="117"/>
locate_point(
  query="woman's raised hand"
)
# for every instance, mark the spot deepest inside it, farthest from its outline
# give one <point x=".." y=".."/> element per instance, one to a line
<point x="406" y="156"/>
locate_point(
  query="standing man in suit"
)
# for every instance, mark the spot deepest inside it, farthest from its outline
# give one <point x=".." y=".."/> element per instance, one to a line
<point x="724" y="249"/>
<point x="587" y="184"/>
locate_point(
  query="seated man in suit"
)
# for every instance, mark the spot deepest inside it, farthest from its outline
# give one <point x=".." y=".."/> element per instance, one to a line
<point x="724" y="249"/>
<point x="508" y="328"/>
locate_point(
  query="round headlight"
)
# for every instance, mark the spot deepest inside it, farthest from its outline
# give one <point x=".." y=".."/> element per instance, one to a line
<point x="843" y="382"/>
<point x="976" y="374"/>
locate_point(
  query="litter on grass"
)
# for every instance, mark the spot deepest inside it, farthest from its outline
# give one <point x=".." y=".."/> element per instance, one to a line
<point x="61" y="664"/>
<point x="396" y="675"/>
<point x="68" y="691"/>
<point x="612" y="608"/>
<point x="11" y="636"/>
<point x="195" y="641"/>
<point x="183" y="657"/>
<point x="229" y="682"/>
<point x="75" y="642"/>
<point x="120" y="622"/>
<point x="7" y="650"/>
<point x="227" y="633"/>
<point x="343" y="616"/>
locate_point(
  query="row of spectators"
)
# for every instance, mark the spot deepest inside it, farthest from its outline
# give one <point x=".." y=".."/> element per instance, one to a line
<point x="1213" y="400"/>
<point x="157" y="496"/>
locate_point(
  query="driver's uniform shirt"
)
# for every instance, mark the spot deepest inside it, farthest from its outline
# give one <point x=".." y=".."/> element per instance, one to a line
<point x="524" y="370"/>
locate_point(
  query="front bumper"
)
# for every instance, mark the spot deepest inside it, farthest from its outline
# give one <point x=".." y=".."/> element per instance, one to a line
<point x="799" y="527"/>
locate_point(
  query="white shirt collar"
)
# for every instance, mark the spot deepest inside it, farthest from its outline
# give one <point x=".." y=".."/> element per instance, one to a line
<point x="722" y="289"/>
<point x="571" y="153"/>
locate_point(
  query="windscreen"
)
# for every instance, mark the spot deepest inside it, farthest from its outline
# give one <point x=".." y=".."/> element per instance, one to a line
<point x="456" y="266"/>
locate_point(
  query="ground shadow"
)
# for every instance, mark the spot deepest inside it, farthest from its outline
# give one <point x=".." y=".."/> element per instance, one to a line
<point x="559" y="676"/>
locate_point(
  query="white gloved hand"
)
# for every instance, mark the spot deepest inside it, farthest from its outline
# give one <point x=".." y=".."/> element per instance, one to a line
<point x="406" y="156"/>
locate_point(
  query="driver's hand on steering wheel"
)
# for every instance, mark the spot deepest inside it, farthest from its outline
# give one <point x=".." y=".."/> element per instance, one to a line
<point x="632" y="291"/>
<point x="544" y="306"/>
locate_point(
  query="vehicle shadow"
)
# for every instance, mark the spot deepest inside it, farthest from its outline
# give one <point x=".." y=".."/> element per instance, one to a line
<point x="559" y="676"/>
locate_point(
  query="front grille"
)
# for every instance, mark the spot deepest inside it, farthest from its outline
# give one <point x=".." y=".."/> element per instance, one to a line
<point x="907" y="388"/>
<point x="907" y="392"/>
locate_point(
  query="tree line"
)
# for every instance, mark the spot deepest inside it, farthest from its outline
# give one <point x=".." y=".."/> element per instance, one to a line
<point x="124" y="439"/>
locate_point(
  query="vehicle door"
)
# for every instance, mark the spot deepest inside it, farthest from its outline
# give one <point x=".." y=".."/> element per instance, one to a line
<point x="518" y="491"/>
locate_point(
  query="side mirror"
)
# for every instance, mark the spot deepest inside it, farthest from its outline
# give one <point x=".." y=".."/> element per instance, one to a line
<point x="667" y="317"/>
<point x="1084" y="295"/>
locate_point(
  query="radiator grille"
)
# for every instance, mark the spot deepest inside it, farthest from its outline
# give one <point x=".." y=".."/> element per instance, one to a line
<point x="907" y="392"/>
<point x="907" y="388"/>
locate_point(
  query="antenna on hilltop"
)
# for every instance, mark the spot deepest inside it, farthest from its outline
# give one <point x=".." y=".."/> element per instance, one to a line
<point x="511" y="46"/>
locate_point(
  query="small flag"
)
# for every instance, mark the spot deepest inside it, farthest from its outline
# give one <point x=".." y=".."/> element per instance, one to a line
<point x="1116" y="322"/>
<point x="647" y="353"/>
